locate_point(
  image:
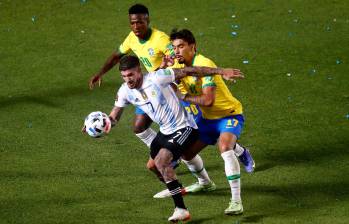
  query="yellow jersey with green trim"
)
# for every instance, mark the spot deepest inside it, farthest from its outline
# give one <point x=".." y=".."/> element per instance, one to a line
<point x="149" y="51"/>
<point x="225" y="103"/>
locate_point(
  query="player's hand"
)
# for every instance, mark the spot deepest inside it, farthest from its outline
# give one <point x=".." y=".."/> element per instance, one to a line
<point x="112" y="121"/>
<point x="167" y="61"/>
<point x="83" y="129"/>
<point x="180" y="95"/>
<point x="94" y="79"/>
<point x="231" y="74"/>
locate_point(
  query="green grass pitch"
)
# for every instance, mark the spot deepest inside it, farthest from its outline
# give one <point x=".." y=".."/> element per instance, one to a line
<point x="295" y="98"/>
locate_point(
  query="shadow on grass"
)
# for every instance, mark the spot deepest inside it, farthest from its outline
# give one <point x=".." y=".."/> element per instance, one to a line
<point x="263" y="167"/>
<point x="251" y="219"/>
<point x="298" y="155"/>
<point x="27" y="100"/>
<point x="198" y="221"/>
<point x="296" y="192"/>
<point x="45" y="97"/>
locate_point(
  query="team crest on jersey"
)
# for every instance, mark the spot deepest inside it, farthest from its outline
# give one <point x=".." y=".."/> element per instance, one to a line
<point x="151" y="52"/>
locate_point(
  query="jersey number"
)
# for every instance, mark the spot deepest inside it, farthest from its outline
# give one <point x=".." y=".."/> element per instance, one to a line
<point x="229" y="123"/>
<point x="145" y="62"/>
<point x="192" y="109"/>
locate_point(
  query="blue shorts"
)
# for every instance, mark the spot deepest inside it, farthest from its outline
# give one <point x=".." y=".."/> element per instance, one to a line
<point x="192" y="109"/>
<point x="210" y="130"/>
<point x="139" y="111"/>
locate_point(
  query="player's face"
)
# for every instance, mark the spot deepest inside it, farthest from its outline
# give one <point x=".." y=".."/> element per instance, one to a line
<point x="184" y="52"/>
<point x="133" y="77"/>
<point x="139" y="24"/>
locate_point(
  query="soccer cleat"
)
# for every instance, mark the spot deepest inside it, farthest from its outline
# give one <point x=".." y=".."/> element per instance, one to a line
<point x="247" y="160"/>
<point x="234" y="208"/>
<point x="166" y="193"/>
<point x="179" y="214"/>
<point x="196" y="187"/>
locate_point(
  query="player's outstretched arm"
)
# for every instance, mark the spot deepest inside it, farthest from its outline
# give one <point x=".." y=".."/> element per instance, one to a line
<point x="115" y="115"/>
<point x="199" y="71"/>
<point x="111" y="61"/>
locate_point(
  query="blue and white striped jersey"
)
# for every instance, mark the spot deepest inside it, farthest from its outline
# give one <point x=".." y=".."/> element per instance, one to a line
<point x="158" y="100"/>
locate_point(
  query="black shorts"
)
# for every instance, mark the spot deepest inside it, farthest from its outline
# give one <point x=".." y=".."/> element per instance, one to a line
<point x="177" y="142"/>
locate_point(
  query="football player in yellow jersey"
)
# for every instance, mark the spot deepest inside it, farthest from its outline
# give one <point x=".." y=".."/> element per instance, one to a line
<point x="222" y="117"/>
<point x="150" y="45"/>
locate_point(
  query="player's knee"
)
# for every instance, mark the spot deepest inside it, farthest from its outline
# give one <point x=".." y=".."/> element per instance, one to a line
<point x="159" y="164"/>
<point x="141" y="123"/>
<point x="137" y="128"/>
<point x="188" y="156"/>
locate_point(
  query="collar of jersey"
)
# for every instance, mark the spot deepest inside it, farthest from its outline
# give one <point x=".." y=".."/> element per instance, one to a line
<point x="147" y="37"/>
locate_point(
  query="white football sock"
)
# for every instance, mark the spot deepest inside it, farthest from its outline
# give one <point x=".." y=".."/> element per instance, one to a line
<point x="196" y="167"/>
<point x="238" y="150"/>
<point x="147" y="136"/>
<point x="232" y="171"/>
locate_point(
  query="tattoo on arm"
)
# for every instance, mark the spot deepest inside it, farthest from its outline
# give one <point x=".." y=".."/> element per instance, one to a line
<point x="198" y="71"/>
<point x="115" y="114"/>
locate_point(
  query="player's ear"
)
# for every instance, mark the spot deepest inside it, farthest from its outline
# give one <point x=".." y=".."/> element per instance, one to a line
<point x="193" y="47"/>
<point x="147" y="19"/>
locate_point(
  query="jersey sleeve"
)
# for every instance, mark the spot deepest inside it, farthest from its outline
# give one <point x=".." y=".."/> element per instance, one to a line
<point x="181" y="88"/>
<point x="164" y="77"/>
<point x="121" y="97"/>
<point x="125" y="47"/>
<point x="165" y="45"/>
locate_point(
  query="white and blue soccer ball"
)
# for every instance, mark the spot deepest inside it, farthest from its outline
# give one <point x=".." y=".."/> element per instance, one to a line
<point x="97" y="124"/>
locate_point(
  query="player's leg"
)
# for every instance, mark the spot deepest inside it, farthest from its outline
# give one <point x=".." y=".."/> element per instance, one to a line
<point x="151" y="166"/>
<point x="141" y="127"/>
<point x="163" y="164"/>
<point x="245" y="157"/>
<point x="232" y="171"/>
<point x="241" y="152"/>
<point x="230" y="129"/>
<point x="196" y="166"/>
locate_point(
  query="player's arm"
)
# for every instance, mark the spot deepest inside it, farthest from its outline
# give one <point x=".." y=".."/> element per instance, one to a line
<point x="115" y="115"/>
<point x="206" y="99"/>
<point x="110" y="62"/>
<point x="200" y="71"/>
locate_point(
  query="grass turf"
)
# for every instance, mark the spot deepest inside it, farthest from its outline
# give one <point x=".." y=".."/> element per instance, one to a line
<point x="295" y="99"/>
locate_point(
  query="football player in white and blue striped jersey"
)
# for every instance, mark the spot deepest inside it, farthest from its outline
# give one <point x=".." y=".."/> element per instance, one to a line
<point x="178" y="131"/>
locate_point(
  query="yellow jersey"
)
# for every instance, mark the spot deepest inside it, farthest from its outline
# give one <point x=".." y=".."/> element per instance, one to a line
<point x="149" y="51"/>
<point x="224" y="105"/>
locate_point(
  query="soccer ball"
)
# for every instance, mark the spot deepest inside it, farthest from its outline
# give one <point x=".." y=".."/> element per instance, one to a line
<point x="97" y="123"/>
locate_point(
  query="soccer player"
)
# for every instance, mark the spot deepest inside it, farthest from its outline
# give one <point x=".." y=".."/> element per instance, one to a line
<point x="178" y="131"/>
<point x="222" y="117"/>
<point x="150" y="45"/>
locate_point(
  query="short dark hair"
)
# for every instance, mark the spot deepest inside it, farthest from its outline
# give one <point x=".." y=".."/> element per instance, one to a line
<point x="128" y="62"/>
<point x="138" y="9"/>
<point x="183" y="34"/>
